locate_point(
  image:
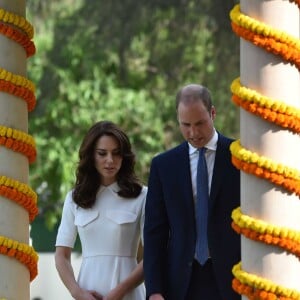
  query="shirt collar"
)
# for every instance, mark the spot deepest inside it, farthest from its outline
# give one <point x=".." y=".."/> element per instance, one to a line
<point x="113" y="187"/>
<point x="211" y="145"/>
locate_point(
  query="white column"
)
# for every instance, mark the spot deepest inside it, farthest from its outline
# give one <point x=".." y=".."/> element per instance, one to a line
<point x="14" y="222"/>
<point x="270" y="76"/>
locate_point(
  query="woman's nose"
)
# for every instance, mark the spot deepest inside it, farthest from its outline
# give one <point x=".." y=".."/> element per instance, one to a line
<point x="109" y="158"/>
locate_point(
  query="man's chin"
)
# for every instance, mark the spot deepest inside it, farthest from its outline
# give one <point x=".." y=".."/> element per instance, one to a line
<point x="196" y="144"/>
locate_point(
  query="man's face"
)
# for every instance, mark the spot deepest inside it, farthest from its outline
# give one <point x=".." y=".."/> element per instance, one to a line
<point x="196" y="123"/>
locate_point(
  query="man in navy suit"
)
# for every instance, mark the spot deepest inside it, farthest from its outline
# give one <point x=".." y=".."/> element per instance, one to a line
<point x="170" y="233"/>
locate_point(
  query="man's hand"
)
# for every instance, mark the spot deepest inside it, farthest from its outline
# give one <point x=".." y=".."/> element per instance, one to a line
<point x="156" y="297"/>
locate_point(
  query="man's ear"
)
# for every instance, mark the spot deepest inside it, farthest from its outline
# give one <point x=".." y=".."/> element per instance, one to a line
<point x="213" y="112"/>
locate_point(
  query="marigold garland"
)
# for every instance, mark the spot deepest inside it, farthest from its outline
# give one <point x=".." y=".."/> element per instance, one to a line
<point x="272" y="110"/>
<point x="254" y="293"/>
<point x="18" y="29"/>
<point x="22" y="252"/>
<point x="17" y="79"/>
<point x="20" y="147"/>
<point x="290" y="184"/>
<point x="262" y="284"/>
<point x="17" y="134"/>
<point x="264" y="101"/>
<point x="283" y="120"/>
<point x="262" y="35"/>
<point x="19" y="91"/>
<point x="262" y="29"/>
<point x="284" y="243"/>
<point x="258" y="230"/>
<point x="18" y="21"/>
<point x="263" y="162"/>
<point x="21" y="194"/>
<point x="21" y="187"/>
<point x="19" y="38"/>
<point x="289" y="53"/>
<point x="18" y="141"/>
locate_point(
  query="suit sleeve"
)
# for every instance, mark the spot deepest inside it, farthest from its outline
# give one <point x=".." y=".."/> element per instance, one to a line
<point x="156" y="233"/>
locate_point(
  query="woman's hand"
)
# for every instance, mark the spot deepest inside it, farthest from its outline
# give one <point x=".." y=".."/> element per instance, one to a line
<point x="115" y="294"/>
<point x="87" y="295"/>
<point x="97" y="295"/>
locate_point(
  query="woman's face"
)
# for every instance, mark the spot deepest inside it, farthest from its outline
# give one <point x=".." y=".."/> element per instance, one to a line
<point x="108" y="159"/>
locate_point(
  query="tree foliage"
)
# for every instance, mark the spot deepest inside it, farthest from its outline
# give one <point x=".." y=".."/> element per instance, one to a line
<point x="123" y="61"/>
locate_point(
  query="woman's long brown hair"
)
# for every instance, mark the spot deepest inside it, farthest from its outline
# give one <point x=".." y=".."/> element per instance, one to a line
<point x="88" y="179"/>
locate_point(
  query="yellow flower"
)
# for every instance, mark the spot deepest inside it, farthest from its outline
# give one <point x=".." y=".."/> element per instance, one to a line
<point x="263" y="101"/>
<point x="255" y="281"/>
<point x="263" y="162"/>
<point x="18" y="21"/>
<point x="261" y="28"/>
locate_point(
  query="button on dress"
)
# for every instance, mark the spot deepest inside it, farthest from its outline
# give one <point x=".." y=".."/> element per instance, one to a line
<point x="110" y="233"/>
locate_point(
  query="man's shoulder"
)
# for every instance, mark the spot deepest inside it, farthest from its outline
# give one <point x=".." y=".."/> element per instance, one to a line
<point x="168" y="154"/>
<point x="225" y="140"/>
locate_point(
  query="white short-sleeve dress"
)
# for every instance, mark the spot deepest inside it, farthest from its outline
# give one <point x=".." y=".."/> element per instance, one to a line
<point x="110" y="233"/>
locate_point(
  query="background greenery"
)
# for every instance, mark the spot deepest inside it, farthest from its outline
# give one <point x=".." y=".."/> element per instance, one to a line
<point x="123" y="61"/>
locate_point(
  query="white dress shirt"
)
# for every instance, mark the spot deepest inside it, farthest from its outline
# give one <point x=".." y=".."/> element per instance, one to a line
<point x="210" y="155"/>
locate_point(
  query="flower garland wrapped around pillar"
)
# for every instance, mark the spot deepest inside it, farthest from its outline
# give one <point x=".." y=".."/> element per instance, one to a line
<point x="268" y="150"/>
<point x="18" y="260"/>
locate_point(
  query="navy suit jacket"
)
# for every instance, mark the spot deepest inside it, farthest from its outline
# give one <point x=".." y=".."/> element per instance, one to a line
<point x="170" y="232"/>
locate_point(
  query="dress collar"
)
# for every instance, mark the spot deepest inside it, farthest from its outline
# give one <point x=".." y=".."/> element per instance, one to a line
<point x="113" y="187"/>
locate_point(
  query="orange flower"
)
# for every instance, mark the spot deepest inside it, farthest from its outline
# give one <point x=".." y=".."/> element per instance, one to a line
<point x="22" y="199"/>
<point x="288" y="52"/>
<point x="17" y="21"/>
<point x="255" y="294"/>
<point x="290" y="184"/>
<point x="19" y="91"/>
<point x="18" y="37"/>
<point x="285" y="243"/>
<point x="28" y="260"/>
<point x="283" y="120"/>
<point x="19" y="146"/>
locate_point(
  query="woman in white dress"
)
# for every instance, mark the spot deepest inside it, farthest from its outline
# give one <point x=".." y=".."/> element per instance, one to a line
<point x="106" y="209"/>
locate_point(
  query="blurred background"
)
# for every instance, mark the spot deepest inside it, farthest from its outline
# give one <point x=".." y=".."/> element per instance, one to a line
<point x="122" y="61"/>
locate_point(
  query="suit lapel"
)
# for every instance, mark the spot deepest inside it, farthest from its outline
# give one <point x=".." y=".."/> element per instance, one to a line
<point x="219" y="169"/>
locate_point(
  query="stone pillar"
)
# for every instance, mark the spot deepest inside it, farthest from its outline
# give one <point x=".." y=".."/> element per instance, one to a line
<point x="17" y="200"/>
<point x="272" y="76"/>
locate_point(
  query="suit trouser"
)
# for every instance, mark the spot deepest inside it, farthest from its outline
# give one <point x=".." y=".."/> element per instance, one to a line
<point x="203" y="285"/>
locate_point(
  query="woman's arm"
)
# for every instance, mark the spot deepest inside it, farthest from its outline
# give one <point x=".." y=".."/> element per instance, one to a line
<point x="135" y="278"/>
<point x="66" y="273"/>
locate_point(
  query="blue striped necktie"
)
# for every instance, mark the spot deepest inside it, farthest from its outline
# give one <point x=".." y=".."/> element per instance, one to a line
<point x="202" y="209"/>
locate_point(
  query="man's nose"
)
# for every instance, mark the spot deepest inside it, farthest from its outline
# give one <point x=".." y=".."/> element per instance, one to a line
<point x="192" y="131"/>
